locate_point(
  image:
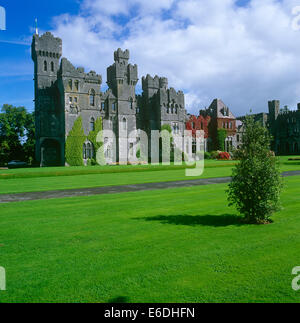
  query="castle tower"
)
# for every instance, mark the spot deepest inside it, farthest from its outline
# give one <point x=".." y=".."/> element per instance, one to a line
<point x="122" y="78"/>
<point x="274" y="108"/>
<point x="46" y="51"/>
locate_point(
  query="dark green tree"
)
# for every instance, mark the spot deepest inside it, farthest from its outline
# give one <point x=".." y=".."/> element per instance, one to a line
<point x="256" y="181"/>
<point x="74" y="144"/>
<point x="17" y="131"/>
<point x="221" y="137"/>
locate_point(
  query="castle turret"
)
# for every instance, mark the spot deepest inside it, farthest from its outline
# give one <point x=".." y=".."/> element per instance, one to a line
<point x="121" y="76"/>
<point x="274" y="108"/>
<point x="45" y="52"/>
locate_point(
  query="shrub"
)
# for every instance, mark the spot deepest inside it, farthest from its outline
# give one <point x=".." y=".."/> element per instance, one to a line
<point x="221" y="137"/>
<point x="223" y="155"/>
<point x="74" y="144"/>
<point x="92" y="137"/>
<point x="214" y="154"/>
<point x="256" y="182"/>
<point x="207" y="155"/>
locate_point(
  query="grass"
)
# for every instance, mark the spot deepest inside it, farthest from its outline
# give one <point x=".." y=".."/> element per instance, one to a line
<point x="177" y="245"/>
<point x="45" y="179"/>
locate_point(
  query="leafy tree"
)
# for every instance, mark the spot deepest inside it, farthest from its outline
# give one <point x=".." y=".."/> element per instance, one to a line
<point x="221" y="137"/>
<point x="74" y="144"/>
<point x="256" y="181"/>
<point x="17" y="134"/>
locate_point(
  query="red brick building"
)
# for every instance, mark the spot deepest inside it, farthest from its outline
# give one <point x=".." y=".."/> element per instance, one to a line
<point x="216" y="117"/>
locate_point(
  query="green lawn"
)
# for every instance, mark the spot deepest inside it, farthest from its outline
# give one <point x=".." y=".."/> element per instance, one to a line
<point x="30" y="180"/>
<point x="177" y="245"/>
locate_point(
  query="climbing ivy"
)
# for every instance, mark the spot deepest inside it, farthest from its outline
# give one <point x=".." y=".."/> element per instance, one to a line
<point x="222" y="135"/>
<point x="74" y="144"/>
<point x="92" y="137"/>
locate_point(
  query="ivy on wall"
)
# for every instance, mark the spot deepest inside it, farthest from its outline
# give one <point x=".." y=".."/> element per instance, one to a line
<point x="92" y="137"/>
<point x="74" y="144"/>
<point x="221" y="137"/>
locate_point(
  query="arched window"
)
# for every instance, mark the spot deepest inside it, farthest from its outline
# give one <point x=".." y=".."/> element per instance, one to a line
<point x="92" y="124"/>
<point x="52" y="67"/>
<point x="92" y="98"/>
<point x="89" y="151"/>
<point x="124" y="124"/>
<point x="70" y="84"/>
<point x="45" y="66"/>
<point x="76" y="85"/>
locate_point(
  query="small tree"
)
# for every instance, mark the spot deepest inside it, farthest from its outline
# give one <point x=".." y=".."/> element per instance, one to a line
<point x="256" y="182"/>
<point x="74" y="144"/>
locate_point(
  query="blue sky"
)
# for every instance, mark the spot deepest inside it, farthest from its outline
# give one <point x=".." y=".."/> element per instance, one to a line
<point x="244" y="52"/>
<point x="16" y="67"/>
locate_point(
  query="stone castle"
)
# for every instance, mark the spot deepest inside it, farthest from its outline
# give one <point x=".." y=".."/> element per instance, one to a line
<point x="63" y="93"/>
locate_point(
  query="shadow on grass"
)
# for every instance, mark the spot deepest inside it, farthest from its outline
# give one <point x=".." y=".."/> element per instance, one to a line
<point x="119" y="300"/>
<point x="223" y="220"/>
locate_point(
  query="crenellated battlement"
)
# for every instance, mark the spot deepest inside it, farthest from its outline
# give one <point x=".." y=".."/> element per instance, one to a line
<point x="120" y="55"/>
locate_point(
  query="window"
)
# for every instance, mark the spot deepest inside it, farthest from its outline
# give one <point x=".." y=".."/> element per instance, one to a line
<point x="75" y="99"/>
<point x="114" y="107"/>
<point x="124" y="124"/>
<point x="45" y="66"/>
<point x="92" y="124"/>
<point x="76" y="85"/>
<point x="131" y="103"/>
<point x="102" y="106"/>
<point x="89" y="151"/>
<point x="70" y="84"/>
<point x="137" y="110"/>
<point x="238" y="138"/>
<point x="52" y="67"/>
<point x="194" y="125"/>
<point x="70" y="99"/>
<point x="92" y="97"/>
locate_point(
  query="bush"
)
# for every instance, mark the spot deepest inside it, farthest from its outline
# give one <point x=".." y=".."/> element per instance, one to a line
<point x="207" y="155"/>
<point x="223" y="155"/>
<point x="92" y="137"/>
<point x="74" y="144"/>
<point x="222" y="135"/>
<point x="256" y="181"/>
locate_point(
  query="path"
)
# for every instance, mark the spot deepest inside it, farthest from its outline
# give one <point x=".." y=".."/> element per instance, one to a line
<point x="31" y="196"/>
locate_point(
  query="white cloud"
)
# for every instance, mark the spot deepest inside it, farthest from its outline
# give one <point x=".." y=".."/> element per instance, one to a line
<point x="244" y="55"/>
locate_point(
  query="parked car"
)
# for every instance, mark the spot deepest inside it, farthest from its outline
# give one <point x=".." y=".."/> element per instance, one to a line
<point x="16" y="164"/>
